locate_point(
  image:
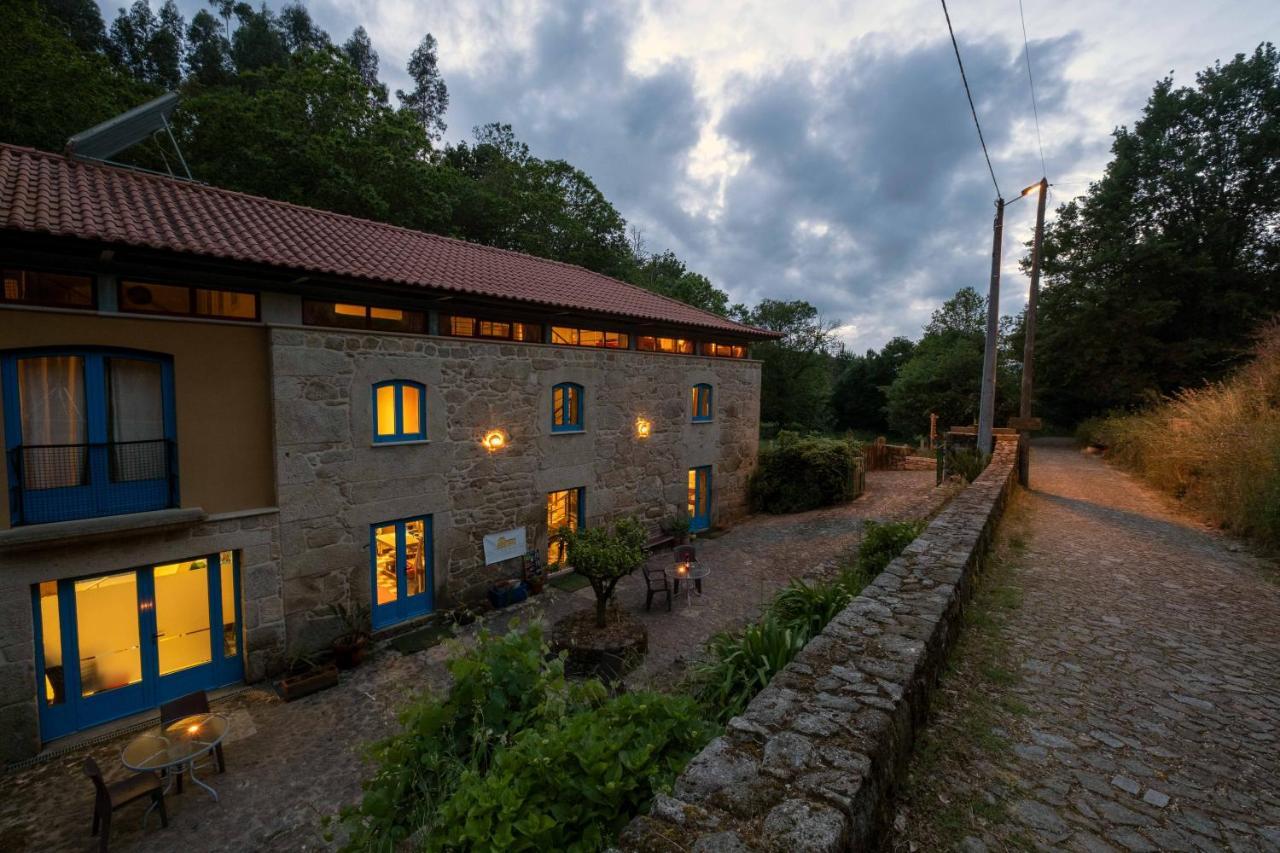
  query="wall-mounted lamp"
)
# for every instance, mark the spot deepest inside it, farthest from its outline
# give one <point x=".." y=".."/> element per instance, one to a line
<point x="494" y="440"/>
<point x="643" y="428"/>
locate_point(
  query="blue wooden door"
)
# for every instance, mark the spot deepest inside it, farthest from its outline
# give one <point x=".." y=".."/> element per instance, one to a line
<point x="700" y="498"/>
<point x="401" y="571"/>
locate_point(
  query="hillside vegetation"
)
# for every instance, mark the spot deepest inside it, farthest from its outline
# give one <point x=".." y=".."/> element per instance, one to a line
<point x="1216" y="448"/>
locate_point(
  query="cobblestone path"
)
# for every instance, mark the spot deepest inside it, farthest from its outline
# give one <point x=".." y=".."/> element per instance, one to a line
<point x="288" y="765"/>
<point x="1148" y="650"/>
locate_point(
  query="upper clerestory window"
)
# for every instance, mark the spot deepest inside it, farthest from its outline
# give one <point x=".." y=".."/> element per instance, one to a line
<point x="178" y="299"/>
<point x="347" y="315"/>
<point x="56" y="290"/>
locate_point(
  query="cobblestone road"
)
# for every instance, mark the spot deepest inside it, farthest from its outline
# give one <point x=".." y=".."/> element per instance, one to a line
<point x="288" y="765"/>
<point x="1149" y="655"/>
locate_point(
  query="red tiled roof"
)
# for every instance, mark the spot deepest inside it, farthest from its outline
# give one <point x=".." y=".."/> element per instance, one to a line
<point x="54" y="194"/>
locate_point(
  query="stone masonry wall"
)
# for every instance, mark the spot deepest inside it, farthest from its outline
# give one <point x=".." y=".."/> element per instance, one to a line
<point x="253" y="535"/>
<point x="812" y="763"/>
<point x="334" y="482"/>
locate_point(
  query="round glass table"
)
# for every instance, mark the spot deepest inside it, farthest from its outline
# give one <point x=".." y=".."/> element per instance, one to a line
<point x="691" y="575"/>
<point x="173" y="747"/>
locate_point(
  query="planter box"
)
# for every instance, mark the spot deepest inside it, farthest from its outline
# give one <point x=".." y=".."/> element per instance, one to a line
<point x="507" y="594"/>
<point x="297" y="686"/>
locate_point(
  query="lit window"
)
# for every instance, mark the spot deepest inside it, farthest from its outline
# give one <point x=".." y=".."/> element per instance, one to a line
<point x="673" y="345"/>
<point x="566" y="407"/>
<point x="700" y="397"/>
<point x="43" y="288"/>
<point x="399" y="411"/>
<point x="347" y="315"/>
<point x="564" y="509"/>
<point x="150" y="298"/>
<point x="471" y="327"/>
<point x="724" y="350"/>
<point x="589" y="338"/>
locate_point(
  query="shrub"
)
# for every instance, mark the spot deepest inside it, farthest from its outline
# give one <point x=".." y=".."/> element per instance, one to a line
<point x="966" y="462"/>
<point x="882" y="542"/>
<point x="741" y="664"/>
<point x="501" y="686"/>
<point x="573" y="783"/>
<point x="1217" y="448"/>
<point x="799" y="473"/>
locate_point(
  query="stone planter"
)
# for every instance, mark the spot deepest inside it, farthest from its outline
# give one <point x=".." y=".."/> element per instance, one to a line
<point x="608" y="653"/>
<point x="349" y="654"/>
<point x="304" y="684"/>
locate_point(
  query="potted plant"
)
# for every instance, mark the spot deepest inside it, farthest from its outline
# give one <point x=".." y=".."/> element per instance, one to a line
<point x="349" y="646"/>
<point x="306" y="675"/>
<point x="461" y="616"/>
<point x="678" y="528"/>
<point x="534" y="574"/>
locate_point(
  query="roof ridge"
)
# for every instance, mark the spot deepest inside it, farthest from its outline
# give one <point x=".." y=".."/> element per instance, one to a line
<point x="224" y="191"/>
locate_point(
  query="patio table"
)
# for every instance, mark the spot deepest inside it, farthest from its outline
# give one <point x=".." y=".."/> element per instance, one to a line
<point x="691" y="574"/>
<point x="175" y="746"/>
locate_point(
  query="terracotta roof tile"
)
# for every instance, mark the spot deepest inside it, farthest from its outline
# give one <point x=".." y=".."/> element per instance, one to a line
<point x="55" y="194"/>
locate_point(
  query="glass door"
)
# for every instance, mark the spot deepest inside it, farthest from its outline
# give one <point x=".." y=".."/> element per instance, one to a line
<point x="700" y="498"/>
<point x="112" y="645"/>
<point x="401" y="570"/>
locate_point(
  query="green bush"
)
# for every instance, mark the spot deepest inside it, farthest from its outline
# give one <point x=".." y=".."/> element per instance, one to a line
<point x="798" y="473"/>
<point x="882" y="542"/>
<point x="501" y="686"/>
<point x="572" y="784"/>
<point x="966" y="463"/>
<point x="741" y="664"/>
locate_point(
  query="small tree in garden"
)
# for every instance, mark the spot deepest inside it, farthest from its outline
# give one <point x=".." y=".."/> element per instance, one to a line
<point x="605" y="556"/>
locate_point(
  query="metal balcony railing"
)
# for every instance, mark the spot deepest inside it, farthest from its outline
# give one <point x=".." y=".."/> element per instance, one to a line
<point x="60" y="482"/>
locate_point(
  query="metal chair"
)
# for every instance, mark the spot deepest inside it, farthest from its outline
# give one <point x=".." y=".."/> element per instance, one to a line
<point x="655" y="581"/>
<point x="185" y="706"/>
<point x="685" y="554"/>
<point x="109" y="797"/>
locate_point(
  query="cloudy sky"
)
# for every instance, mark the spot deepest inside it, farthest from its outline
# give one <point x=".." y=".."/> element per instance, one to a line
<point x="814" y="150"/>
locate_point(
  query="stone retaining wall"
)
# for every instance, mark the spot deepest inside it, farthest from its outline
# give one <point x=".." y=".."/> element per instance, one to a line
<point x="812" y="763"/>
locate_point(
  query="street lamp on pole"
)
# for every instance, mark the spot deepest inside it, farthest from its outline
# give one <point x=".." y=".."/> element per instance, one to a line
<point x="1029" y="345"/>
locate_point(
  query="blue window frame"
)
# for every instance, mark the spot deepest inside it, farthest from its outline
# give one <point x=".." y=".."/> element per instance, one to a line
<point x="399" y="411"/>
<point x="700" y="398"/>
<point x="567" y="406"/>
<point x="88" y="432"/>
<point x="402" y="578"/>
<point x="111" y="645"/>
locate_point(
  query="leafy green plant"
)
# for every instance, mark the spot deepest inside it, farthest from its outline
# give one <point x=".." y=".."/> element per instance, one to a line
<point x="966" y="462"/>
<point x="573" y="783"/>
<point x="740" y="664"/>
<point x="798" y="473"/>
<point x="605" y="556"/>
<point x="500" y="687"/>
<point x="882" y="542"/>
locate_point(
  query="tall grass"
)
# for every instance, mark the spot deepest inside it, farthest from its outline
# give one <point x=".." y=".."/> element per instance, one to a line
<point x="1216" y="448"/>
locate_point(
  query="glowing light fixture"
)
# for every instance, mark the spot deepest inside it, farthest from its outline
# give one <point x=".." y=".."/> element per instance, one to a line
<point x="494" y="440"/>
<point x="1031" y="190"/>
<point x="193" y="728"/>
<point x="643" y="428"/>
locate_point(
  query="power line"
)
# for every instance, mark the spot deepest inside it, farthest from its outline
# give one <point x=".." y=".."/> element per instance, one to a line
<point x="969" y="95"/>
<point x="1034" y="109"/>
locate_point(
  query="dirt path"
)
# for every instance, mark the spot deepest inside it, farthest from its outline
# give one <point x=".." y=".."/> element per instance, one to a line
<point x="1134" y="700"/>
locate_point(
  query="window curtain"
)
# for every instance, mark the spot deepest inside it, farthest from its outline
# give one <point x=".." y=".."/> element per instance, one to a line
<point x="135" y="413"/>
<point x="52" y="412"/>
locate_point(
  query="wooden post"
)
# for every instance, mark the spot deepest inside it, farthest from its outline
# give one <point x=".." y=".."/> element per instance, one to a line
<point x="933" y="430"/>
<point x="1029" y="347"/>
<point x="987" y="398"/>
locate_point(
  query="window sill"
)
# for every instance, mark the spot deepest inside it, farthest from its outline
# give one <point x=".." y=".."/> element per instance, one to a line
<point x="568" y="432"/>
<point x="399" y="443"/>
<point x="81" y="529"/>
<point x="702" y="421"/>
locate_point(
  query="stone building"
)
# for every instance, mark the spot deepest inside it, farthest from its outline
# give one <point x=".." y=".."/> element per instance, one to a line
<point x="224" y="414"/>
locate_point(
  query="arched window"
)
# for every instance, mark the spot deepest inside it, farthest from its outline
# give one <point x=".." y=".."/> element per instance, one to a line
<point x="700" y="398"/>
<point x="566" y="407"/>
<point x="399" y="411"/>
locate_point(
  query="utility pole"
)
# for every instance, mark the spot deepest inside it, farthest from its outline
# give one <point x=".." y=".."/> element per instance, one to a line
<point x="987" y="401"/>
<point x="1029" y="346"/>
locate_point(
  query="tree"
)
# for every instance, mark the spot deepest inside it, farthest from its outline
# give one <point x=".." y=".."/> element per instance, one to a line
<point x="795" y="381"/>
<point x="359" y="50"/>
<point x="258" y="41"/>
<point x="81" y="21"/>
<point x="605" y="556"/>
<point x="858" y="397"/>
<point x="42" y="68"/>
<point x="298" y="31"/>
<point x="429" y="98"/>
<point x="209" y="54"/>
<point x="667" y="274"/>
<point x="1157" y="276"/>
<point x="944" y="372"/>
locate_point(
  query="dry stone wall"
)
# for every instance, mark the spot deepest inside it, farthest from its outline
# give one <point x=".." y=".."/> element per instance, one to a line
<point x="334" y="482"/>
<point x="812" y="763"/>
